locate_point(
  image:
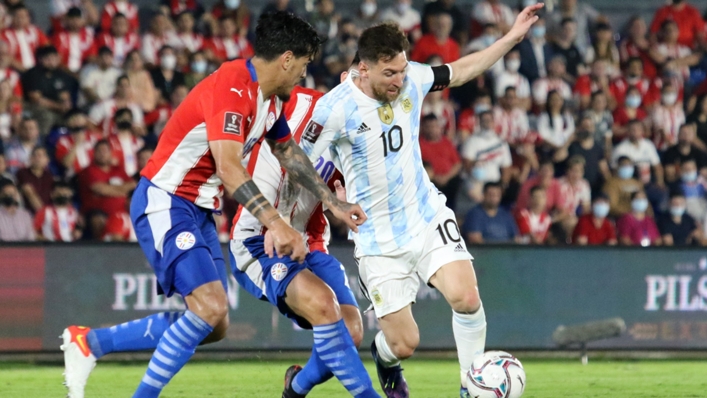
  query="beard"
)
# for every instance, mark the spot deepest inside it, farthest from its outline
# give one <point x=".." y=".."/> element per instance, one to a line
<point x="284" y="97"/>
<point x="384" y="96"/>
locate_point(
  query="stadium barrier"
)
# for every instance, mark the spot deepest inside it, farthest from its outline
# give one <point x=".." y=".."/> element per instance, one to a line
<point x="528" y="292"/>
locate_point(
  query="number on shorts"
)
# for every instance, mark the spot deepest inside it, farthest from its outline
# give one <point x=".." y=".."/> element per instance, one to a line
<point x="444" y="231"/>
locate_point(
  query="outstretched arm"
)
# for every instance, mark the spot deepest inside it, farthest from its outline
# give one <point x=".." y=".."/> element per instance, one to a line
<point x="467" y="68"/>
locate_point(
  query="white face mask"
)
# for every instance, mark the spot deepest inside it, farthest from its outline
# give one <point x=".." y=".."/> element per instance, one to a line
<point x="402" y="8"/>
<point x="168" y="62"/>
<point x="368" y="9"/>
<point x="512" y="65"/>
<point x="232" y="4"/>
<point x="669" y="98"/>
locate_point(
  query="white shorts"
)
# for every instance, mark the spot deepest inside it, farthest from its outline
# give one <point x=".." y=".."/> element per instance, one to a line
<point x="392" y="280"/>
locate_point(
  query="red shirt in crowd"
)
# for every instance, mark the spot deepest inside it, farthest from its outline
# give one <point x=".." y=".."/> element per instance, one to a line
<point x="620" y="86"/>
<point x="428" y="46"/>
<point x="688" y="18"/>
<point x="56" y="224"/>
<point x="14" y="78"/>
<point x="553" y="192"/>
<point x="530" y="223"/>
<point x="119" y="228"/>
<point x="75" y="47"/>
<point x="84" y="150"/>
<point x="595" y="236"/>
<point x="441" y="155"/>
<point x="90" y="200"/>
<point x="124" y="7"/>
<point x="23" y="43"/>
<point x="621" y="118"/>
<point x="639" y="231"/>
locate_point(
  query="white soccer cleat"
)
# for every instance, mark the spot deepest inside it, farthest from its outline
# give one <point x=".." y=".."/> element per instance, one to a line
<point x="78" y="359"/>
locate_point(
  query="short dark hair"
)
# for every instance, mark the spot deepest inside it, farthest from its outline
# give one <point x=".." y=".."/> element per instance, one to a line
<point x="429" y="117"/>
<point x="105" y="50"/>
<point x="567" y="20"/>
<point x="119" y="15"/>
<point x="74" y="12"/>
<point x="382" y="42"/>
<point x="282" y="31"/>
<point x="44" y="51"/>
<point x="678" y="192"/>
<point x="73" y="112"/>
<point x="492" y="184"/>
<point x="122" y="111"/>
<point x="536" y="189"/>
<point x="623" y="158"/>
<point x="61" y="184"/>
<point x="164" y="48"/>
<point x="101" y="142"/>
<point x="18" y="7"/>
<point x="122" y="77"/>
<point x="37" y="148"/>
<point x="636" y="193"/>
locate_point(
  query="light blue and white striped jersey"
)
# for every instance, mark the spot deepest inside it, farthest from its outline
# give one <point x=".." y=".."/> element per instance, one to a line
<point x="377" y="148"/>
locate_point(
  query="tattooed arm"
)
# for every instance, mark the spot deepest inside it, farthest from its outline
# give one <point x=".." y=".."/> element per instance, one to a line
<point x="301" y="171"/>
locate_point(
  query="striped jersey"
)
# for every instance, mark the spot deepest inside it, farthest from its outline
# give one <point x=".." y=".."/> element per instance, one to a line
<point x="377" y="147"/>
<point x="299" y="206"/>
<point x="227" y="105"/>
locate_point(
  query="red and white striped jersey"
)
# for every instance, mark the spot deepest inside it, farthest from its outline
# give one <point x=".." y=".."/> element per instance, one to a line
<point x="74" y="48"/>
<point x="56" y="224"/>
<point x="151" y="45"/>
<point x="620" y="86"/>
<point x="23" y="43"/>
<point x="84" y="151"/>
<point x="544" y="85"/>
<point x="303" y="209"/>
<point x="226" y="105"/>
<point x="666" y="123"/>
<point x="125" y="150"/>
<point x="675" y="51"/>
<point x="124" y="7"/>
<point x="191" y="41"/>
<point x="14" y="79"/>
<point x="512" y="126"/>
<point x="102" y="114"/>
<point x="229" y="48"/>
<point x="120" y="46"/>
<point x="574" y="196"/>
<point x="530" y="223"/>
<point x="119" y="227"/>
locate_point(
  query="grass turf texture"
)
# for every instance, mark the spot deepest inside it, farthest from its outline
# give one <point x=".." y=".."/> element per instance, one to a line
<point x="427" y="378"/>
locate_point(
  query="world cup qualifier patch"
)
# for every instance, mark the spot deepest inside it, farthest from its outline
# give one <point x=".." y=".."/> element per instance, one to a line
<point x="311" y="133"/>
<point x="232" y="123"/>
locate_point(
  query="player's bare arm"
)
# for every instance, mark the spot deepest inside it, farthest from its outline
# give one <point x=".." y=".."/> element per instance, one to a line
<point x="240" y="186"/>
<point x="297" y="164"/>
<point x="471" y="66"/>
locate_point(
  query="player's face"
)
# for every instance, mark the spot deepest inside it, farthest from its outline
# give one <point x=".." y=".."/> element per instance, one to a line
<point x="295" y="70"/>
<point x="386" y="77"/>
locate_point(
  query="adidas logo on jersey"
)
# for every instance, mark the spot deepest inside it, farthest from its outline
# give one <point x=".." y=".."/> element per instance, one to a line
<point x="363" y="128"/>
<point x="459" y="248"/>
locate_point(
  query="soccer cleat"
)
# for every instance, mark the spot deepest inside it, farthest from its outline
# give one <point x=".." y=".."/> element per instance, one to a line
<point x="392" y="381"/>
<point x="78" y="359"/>
<point x="290" y="374"/>
<point x="464" y="393"/>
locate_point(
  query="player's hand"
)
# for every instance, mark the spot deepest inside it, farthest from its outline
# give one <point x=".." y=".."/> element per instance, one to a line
<point x="340" y="190"/>
<point x="524" y="21"/>
<point x="351" y="214"/>
<point x="284" y="241"/>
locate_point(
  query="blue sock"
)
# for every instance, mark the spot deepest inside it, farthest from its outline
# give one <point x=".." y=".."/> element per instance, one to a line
<point x="313" y="373"/>
<point x="175" y="348"/>
<point x="140" y="334"/>
<point x="336" y="349"/>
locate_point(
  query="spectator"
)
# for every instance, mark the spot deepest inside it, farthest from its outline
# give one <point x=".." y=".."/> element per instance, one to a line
<point x="143" y="89"/>
<point x="175" y="8"/>
<point x="534" y="222"/>
<point x="597" y="80"/>
<point x="96" y="221"/>
<point x="143" y="155"/>
<point x="58" y="220"/>
<point x="441" y="154"/>
<point x="103" y="186"/>
<point x="18" y="151"/>
<point x="10" y="113"/>
<point x="621" y="186"/>
<point x="198" y="69"/>
<point x="691" y="26"/>
<point x="489" y="35"/>
<point x="595" y="228"/>
<point x="494" y="12"/>
<point x="48" y="89"/>
<point x="157" y="119"/>
<point x="166" y="77"/>
<point x="684" y="150"/>
<point x="642" y="152"/>
<point x="435" y="103"/>
<point x="574" y="190"/>
<point x="124" y="143"/>
<point x="98" y="82"/>
<point x="339" y="54"/>
<point x="678" y="228"/>
<point x="596" y="168"/>
<point x="468" y="121"/>
<point x="459" y="19"/>
<point x="637" y="228"/>
<point x="5" y="176"/>
<point x="534" y="51"/>
<point x="555" y="125"/>
<point x="7" y="73"/>
<point x="101" y="114"/>
<point x="489" y="223"/>
<point x="228" y="45"/>
<point x="630" y="111"/>
<point x="15" y="221"/>
<point x="437" y="41"/>
<point x="667" y="117"/>
<point x="119" y="227"/>
<point x="564" y="45"/>
<point x="486" y="157"/>
<point x="602" y="120"/>
<point x="24" y="38"/>
<point x="669" y="75"/>
<point x="604" y="48"/>
<point x="408" y="18"/>
<point x="584" y="15"/>
<point x="234" y="9"/>
<point x="693" y="188"/>
<point x="670" y="49"/>
<point x="510" y="119"/>
<point x="633" y="77"/>
<point x="75" y="44"/>
<point x="511" y="78"/>
<point x="324" y="19"/>
<point x="160" y="35"/>
<point x="699" y="119"/>
<point x="35" y="182"/>
<point x="75" y="150"/>
<point x="545" y="178"/>
<point x="277" y="5"/>
<point x="554" y="81"/>
<point x="119" y="39"/>
<point x="637" y="45"/>
<point x="185" y="37"/>
<point x="60" y="8"/>
<point x="113" y="9"/>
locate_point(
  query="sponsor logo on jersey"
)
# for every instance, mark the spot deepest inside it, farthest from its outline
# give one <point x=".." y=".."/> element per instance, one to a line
<point x="185" y="240"/>
<point x="232" y="123"/>
<point x="406" y="103"/>
<point x="376" y="296"/>
<point x="363" y="128"/>
<point x="278" y="271"/>
<point x="270" y="121"/>
<point x="311" y="133"/>
<point x="385" y="113"/>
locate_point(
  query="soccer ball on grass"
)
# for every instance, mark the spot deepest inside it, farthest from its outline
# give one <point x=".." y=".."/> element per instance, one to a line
<point x="496" y="374"/>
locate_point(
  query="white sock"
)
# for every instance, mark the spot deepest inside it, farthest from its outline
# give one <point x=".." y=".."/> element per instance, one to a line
<point x="470" y="336"/>
<point x="385" y="354"/>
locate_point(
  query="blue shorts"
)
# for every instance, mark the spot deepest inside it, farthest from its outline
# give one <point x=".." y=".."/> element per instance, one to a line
<point x="179" y="240"/>
<point x="267" y="278"/>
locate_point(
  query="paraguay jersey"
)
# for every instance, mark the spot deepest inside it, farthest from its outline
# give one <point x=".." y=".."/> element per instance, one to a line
<point x="299" y="206"/>
<point x="377" y="147"/>
<point x="227" y="105"/>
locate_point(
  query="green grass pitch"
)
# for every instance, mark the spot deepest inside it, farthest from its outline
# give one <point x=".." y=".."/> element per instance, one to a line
<point x="427" y="379"/>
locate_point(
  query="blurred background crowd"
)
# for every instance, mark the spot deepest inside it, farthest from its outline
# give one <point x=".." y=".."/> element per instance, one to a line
<point x="585" y="134"/>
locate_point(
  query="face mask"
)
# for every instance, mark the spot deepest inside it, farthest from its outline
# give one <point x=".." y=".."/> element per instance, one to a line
<point x="639" y="205"/>
<point x="232" y="4"/>
<point x="689" y="176"/>
<point x="481" y="108"/>
<point x="8" y="201"/>
<point x="124" y="125"/>
<point x="669" y="98"/>
<point x="199" y="66"/>
<point x="168" y="62"/>
<point x="528" y="3"/>
<point x="512" y="65"/>
<point x="633" y="101"/>
<point x="478" y="173"/>
<point x="402" y="8"/>
<point x="600" y="209"/>
<point x="61" y="200"/>
<point x="488" y="40"/>
<point x="625" y="172"/>
<point x="368" y="9"/>
<point x="538" y="31"/>
<point x="677" y="211"/>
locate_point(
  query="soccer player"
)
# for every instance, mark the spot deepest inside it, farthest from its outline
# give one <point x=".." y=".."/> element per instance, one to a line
<point x="200" y="153"/>
<point x="314" y="294"/>
<point x="371" y="123"/>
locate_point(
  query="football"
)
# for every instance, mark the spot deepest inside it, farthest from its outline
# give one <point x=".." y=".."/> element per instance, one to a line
<point x="496" y="374"/>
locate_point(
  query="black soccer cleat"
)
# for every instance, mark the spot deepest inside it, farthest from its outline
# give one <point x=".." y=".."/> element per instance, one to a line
<point x="392" y="381"/>
<point x="290" y="374"/>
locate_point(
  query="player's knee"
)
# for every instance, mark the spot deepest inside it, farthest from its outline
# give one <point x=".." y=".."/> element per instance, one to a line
<point x="466" y="301"/>
<point x="324" y="308"/>
<point x="404" y="346"/>
<point x="356" y="332"/>
<point x="214" y="308"/>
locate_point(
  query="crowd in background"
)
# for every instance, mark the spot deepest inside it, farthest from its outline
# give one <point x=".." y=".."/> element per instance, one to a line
<point x="585" y="133"/>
